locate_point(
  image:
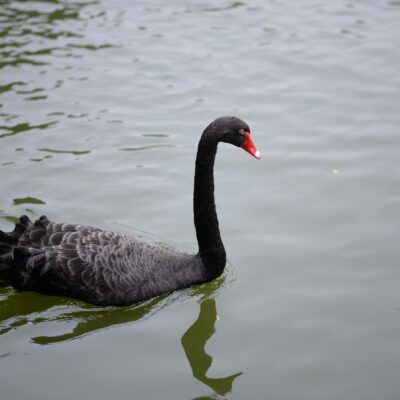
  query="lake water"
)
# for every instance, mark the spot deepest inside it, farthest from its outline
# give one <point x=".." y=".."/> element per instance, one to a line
<point x="102" y="105"/>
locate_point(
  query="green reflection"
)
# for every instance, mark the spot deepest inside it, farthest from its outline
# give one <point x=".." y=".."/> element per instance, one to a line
<point x="91" y="46"/>
<point x="22" y="24"/>
<point x="27" y="200"/>
<point x="74" y="152"/>
<point x="11" y="218"/>
<point x="139" y="148"/>
<point x="30" y="91"/>
<point x="20" y="308"/>
<point x="10" y="86"/>
<point x="40" y="159"/>
<point x="98" y="319"/>
<point x="229" y="6"/>
<point x="62" y="14"/>
<point x="35" y="98"/>
<point x="19" y="61"/>
<point x="13" y="130"/>
<point x="17" y="309"/>
<point x="194" y="341"/>
<point x="155" y="135"/>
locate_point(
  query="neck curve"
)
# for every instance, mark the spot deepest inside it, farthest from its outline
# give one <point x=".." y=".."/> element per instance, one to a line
<point x="211" y="248"/>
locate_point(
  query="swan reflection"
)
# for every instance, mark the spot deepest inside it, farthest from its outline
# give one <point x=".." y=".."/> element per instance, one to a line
<point x="18" y="309"/>
<point x="194" y="341"/>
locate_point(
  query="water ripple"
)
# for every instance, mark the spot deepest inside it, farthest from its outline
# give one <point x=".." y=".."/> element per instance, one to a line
<point x="102" y="89"/>
<point x="27" y="200"/>
<point x="23" y="127"/>
<point x="74" y="152"/>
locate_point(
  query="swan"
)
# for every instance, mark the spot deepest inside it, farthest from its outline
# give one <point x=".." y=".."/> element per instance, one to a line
<point x="108" y="268"/>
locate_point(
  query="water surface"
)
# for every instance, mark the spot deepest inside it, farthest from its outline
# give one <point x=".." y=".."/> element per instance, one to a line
<point x="101" y="107"/>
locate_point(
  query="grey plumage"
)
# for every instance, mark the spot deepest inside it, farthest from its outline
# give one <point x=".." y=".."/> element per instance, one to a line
<point x="98" y="266"/>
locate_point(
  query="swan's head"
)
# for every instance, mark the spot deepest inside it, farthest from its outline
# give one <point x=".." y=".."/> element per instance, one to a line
<point x="234" y="131"/>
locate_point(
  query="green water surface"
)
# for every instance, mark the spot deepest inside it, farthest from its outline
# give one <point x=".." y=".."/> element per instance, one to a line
<point x="101" y="107"/>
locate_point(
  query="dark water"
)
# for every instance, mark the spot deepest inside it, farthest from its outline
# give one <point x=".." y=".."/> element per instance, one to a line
<point x="101" y="107"/>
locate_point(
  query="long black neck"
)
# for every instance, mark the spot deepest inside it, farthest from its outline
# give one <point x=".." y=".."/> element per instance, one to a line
<point x="211" y="248"/>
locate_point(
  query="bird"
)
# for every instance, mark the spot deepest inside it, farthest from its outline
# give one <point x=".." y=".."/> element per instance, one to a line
<point x="108" y="268"/>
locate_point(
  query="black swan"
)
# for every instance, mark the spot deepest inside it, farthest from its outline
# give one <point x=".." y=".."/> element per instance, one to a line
<point x="109" y="268"/>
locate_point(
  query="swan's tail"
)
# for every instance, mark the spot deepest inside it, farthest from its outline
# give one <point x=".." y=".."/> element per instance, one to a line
<point x="16" y="262"/>
<point x="7" y="242"/>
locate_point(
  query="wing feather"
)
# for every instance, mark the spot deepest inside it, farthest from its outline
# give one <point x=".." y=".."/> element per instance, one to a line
<point x="101" y="267"/>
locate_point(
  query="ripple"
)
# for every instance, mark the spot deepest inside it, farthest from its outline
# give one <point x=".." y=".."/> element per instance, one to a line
<point x="91" y="46"/>
<point x="27" y="200"/>
<point x="23" y="127"/>
<point x="19" y="61"/>
<point x="30" y="91"/>
<point x="77" y="115"/>
<point x="35" y="98"/>
<point x="140" y="148"/>
<point x="74" y="152"/>
<point x="10" y="218"/>
<point x="225" y="7"/>
<point x="40" y="159"/>
<point x="10" y="86"/>
<point x="312" y="227"/>
<point x="155" y="135"/>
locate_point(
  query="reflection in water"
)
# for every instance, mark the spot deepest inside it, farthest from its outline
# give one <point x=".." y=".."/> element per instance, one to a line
<point x="18" y="309"/>
<point x="21" y="308"/>
<point x="194" y="341"/>
<point x="23" y="127"/>
<point x="26" y="21"/>
<point x="40" y="39"/>
<point x="27" y="200"/>
<point x="94" y="320"/>
<point x="74" y="152"/>
<point x="146" y="147"/>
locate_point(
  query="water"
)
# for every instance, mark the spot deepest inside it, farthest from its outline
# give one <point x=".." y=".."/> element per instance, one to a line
<point x="102" y="105"/>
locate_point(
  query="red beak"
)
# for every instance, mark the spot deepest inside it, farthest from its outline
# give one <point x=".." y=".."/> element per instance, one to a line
<point x="250" y="147"/>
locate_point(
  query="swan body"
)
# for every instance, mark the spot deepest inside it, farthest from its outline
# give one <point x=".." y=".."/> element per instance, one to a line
<point x="109" y="268"/>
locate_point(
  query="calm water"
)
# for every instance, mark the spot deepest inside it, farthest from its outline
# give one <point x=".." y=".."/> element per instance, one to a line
<point x="102" y="105"/>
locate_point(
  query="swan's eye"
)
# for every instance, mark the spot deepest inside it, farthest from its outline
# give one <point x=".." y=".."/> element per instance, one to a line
<point x="243" y="132"/>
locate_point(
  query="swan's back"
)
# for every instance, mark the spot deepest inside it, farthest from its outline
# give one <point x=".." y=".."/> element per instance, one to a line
<point x="98" y="266"/>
